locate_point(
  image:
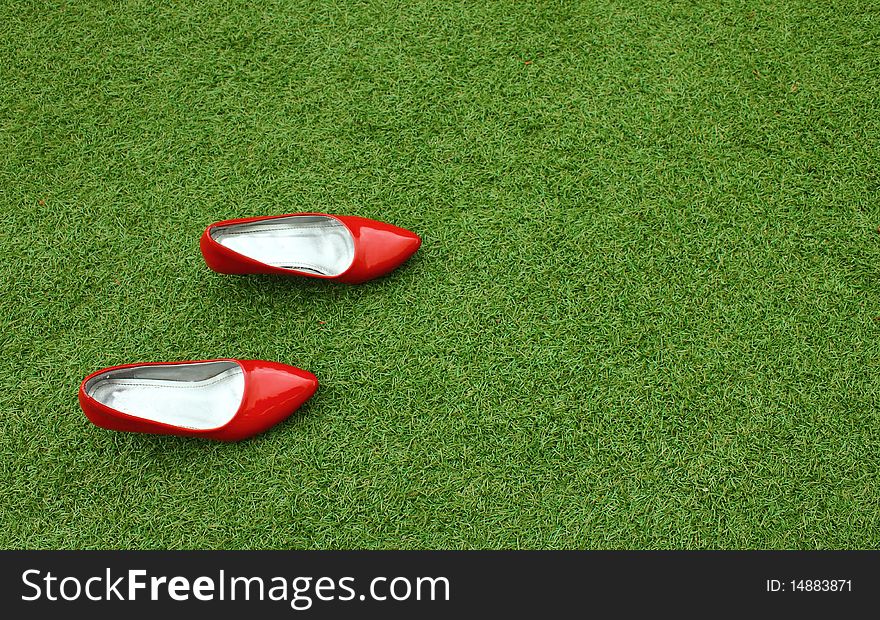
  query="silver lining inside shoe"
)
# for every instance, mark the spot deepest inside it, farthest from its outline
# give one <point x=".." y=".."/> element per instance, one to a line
<point x="198" y="396"/>
<point x="311" y="243"/>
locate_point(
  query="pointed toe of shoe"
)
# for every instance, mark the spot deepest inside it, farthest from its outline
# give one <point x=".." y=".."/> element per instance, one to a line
<point x="280" y="384"/>
<point x="274" y="391"/>
<point x="402" y="246"/>
<point x="379" y="248"/>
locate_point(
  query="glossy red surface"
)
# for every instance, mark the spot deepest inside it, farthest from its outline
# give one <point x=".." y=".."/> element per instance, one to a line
<point x="272" y="392"/>
<point x="378" y="249"/>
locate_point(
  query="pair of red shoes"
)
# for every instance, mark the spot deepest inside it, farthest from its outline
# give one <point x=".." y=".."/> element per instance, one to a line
<point x="229" y="399"/>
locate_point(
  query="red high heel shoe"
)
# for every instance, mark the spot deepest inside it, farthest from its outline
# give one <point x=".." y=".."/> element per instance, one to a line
<point x="223" y="399"/>
<point x="315" y="245"/>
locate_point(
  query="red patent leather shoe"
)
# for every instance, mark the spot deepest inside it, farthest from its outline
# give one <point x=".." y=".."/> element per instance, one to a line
<point x="224" y="399"/>
<point x="338" y="247"/>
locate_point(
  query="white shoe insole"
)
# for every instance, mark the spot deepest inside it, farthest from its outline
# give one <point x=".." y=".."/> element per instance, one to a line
<point x="198" y="396"/>
<point x="311" y="243"/>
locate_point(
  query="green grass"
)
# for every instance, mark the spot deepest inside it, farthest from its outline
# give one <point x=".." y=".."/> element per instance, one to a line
<point x="646" y="313"/>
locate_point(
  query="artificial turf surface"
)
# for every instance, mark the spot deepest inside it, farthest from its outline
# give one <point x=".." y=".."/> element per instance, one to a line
<point x="646" y="312"/>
